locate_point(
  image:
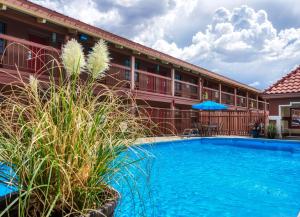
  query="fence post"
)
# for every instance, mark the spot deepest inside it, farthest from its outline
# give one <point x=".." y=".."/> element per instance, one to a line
<point x="172" y="106"/>
<point x="229" y="123"/>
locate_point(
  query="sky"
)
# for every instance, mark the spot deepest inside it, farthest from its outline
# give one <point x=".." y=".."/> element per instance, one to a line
<point x="255" y="42"/>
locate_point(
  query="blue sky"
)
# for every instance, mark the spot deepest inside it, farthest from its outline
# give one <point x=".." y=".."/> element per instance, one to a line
<point x="255" y="42"/>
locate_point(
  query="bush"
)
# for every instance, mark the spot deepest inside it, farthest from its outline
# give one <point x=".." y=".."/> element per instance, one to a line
<point x="272" y="131"/>
<point x="62" y="140"/>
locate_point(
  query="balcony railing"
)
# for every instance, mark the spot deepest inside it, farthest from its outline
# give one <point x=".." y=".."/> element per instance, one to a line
<point x="117" y="76"/>
<point x="32" y="57"/>
<point x="252" y="103"/>
<point x="186" y="90"/>
<point x="27" y="56"/>
<point x="227" y="98"/>
<point x="241" y="101"/>
<point x="261" y="105"/>
<point x="210" y="94"/>
<point x="146" y="81"/>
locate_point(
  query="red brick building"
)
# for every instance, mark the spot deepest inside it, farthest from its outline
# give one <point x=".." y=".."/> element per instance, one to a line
<point x="167" y="84"/>
<point x="284" y="103"/>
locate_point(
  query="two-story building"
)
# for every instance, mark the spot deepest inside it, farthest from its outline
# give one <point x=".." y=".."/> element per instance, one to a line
<point x="167" y="84"/>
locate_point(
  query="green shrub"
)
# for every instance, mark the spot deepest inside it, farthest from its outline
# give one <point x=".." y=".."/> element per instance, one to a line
<point x="62" y="137"/>
<point x="272" y="131"/>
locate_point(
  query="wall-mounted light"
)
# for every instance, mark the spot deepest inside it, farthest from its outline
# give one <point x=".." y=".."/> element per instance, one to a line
<point x="83" y="37"/>
<point x="41" y="20"/>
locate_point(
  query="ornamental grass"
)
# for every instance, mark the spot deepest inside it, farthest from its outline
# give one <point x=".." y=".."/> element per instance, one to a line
<point x="66" y="139"/>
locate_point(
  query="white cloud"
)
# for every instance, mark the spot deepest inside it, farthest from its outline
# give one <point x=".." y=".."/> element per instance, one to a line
<point x="254" y="84"/>
<point x="90" y="14"/>
<point x="241" y="42"/>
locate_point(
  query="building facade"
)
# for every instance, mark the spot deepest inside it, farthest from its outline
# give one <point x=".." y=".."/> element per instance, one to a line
<point x="284" y="104"/>
<point x="164" y="83"/>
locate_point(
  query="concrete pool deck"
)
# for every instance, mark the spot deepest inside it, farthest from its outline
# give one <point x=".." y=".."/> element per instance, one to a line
<point x="177" y="138"/>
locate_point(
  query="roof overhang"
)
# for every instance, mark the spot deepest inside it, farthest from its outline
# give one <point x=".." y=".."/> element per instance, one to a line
<point x="280" y="95"/>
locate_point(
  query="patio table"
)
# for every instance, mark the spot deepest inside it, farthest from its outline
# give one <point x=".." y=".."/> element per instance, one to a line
<point x="209" y="129"/>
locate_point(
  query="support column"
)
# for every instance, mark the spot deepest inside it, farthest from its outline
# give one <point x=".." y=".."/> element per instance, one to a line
<point x="220" y="93"/>
<point x="173" y="82"/>
<point x="265" y="105"/>
<point x="247" y="100"/>
<point x="132" y="72"/>
<point x="235" y="97"/>
<point x="200" y="88"/>
<point x="257" y="107"/>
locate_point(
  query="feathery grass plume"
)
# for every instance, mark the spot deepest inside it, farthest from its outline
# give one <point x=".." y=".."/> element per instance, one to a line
<point x="73" y="57"/>
<point x="66" y="143"/>
<point x="33" y="83"/>
<point x="98" y="59"/>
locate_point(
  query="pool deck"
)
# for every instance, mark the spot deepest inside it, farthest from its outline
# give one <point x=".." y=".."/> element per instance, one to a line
<point x="177" y="138"/>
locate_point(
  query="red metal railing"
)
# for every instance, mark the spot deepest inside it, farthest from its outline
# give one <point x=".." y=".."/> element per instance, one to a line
<point x="241" y="101"/>
<point x="227" y="98"/>
<point x="149" y="82"/>
<point x="186" y="90"/>
<point x="27" y="56"/>
<point x="32" y="57"/>
<point x="117" y="76"/>
<point x="261" y="105"/>
<point x="252" y="103"/>
<point x="210" y="94"/>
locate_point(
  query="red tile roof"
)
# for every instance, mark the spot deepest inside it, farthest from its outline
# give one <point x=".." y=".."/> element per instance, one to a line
<point x="288" y="84"/>
<point x="33" y="9"/>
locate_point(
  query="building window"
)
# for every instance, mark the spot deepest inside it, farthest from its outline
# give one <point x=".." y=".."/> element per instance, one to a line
<point x="295" y="118"/>
<point x="127" y="75"/>
<point x="194" y="89"/>
<point x="127" y="72"/>
<point x="193" y="81"/>
<point x="178" y="77"/>
<point x="136" y="77"/>
<point x="2" y="41"/>
<point x="177" y="87"/>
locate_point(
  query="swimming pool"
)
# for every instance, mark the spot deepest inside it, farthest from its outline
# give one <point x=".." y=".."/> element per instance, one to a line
<point x="214" y="177"/>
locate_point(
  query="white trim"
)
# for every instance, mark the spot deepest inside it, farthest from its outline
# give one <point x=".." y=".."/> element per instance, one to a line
<point x="279" y="117"/>
<point x="291" y="104"/>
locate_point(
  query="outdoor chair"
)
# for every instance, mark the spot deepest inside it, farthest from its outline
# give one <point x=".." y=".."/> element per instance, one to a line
<point x="190" y="132"/>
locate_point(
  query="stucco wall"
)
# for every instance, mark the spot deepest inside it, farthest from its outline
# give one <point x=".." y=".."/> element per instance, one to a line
<point x="274" y="104"/>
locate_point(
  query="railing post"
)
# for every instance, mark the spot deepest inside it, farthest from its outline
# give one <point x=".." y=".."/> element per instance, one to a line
<point x="220" y="93"/>
<point x="173" y="82"/>
<point x="200" y="88"/>
<point x="235" y="97"/>
<point x="132" y="80"/>
<point x="247" y="100"/>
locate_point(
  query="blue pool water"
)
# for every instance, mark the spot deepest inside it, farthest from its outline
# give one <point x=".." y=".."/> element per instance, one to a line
<point x="213" y="177"/>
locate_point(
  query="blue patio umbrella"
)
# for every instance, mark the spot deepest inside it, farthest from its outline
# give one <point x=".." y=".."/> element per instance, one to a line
<point x="209" y="106"/>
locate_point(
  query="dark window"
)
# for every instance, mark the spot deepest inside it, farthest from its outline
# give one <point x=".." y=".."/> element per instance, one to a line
<point x="193" y="81"/>
<point x="136" y="77"/>
<point x="2" y="42"/>
<point x="127" y="72"/>
<point x="194" y="89"/>
<point x="177" y="86"/>
<point x="177" y="77"/>
<point x="127" y="75"/>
